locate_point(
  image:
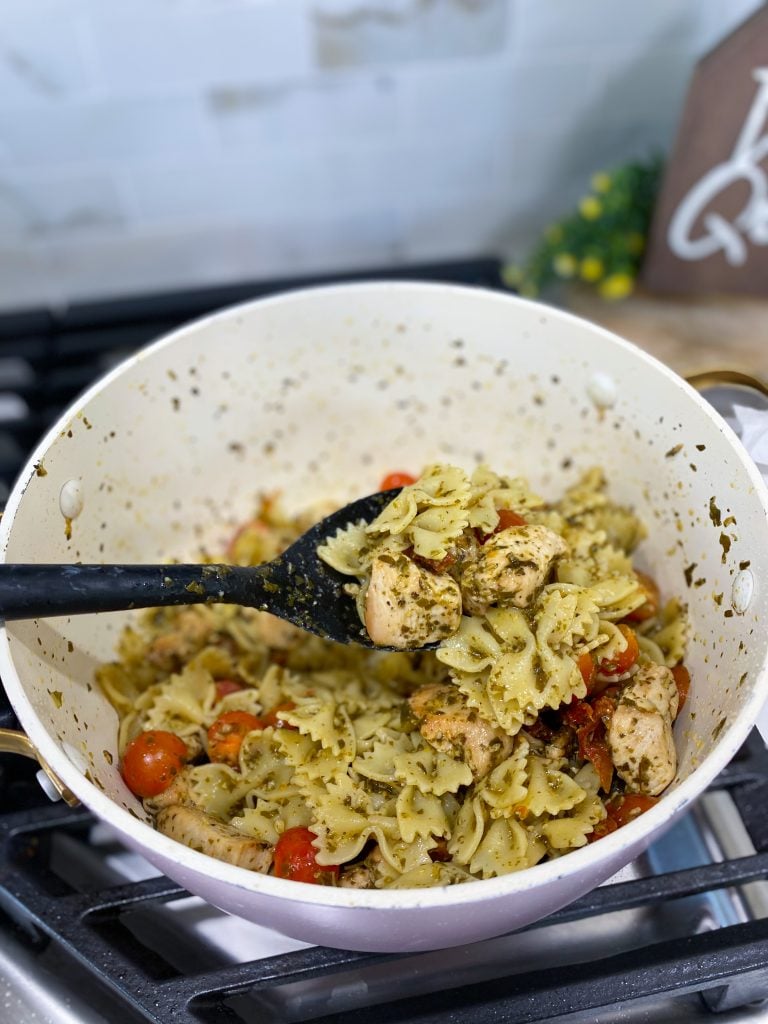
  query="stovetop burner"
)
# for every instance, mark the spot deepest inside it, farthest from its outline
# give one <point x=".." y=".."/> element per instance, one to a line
<point x="679" y="934"/>
<point x="90" y="934"/>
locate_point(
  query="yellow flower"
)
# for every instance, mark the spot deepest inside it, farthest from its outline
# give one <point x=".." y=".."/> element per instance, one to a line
<point x="591" y="268"/>
<point x="601" y="181"/>
<point x="617" y="286"/>
<point x="635" y="243"/>
<point x="512" y="275"/>
<point x="564" y="264"/>
<point x="590" y="208"/>
<point x="554" y="233"/>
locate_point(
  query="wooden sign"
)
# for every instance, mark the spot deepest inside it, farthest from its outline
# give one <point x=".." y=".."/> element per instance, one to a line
<point x="710" y="226"/>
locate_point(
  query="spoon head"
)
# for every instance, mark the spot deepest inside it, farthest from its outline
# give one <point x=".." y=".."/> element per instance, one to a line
<point x="313" y="593"/>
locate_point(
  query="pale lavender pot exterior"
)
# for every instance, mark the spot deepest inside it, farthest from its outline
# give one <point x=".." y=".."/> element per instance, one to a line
<point x="397" y="929"/>
<point x="318" y="393"/>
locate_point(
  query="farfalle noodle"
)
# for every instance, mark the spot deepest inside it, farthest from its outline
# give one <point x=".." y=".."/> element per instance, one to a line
<point x="347" y="759"/>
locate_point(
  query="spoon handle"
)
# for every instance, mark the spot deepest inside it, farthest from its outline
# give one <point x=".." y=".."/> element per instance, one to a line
<point x="29" y="591"/>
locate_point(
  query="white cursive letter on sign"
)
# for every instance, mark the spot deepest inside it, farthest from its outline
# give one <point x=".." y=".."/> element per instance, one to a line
<point x="744" y="165"/>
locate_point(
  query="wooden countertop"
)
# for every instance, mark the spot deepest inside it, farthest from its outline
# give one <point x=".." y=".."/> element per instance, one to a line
<point x="689" y="334"/>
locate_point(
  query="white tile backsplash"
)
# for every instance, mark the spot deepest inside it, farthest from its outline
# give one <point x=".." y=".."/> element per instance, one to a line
<point x="449" y="226"/>
<point x="456" y="100"/>
<point x="26" y="277"/>
<point x="161" y="143"/>
<point x="241" y="191"/>
<point x="291" y="116"/>
<point x="40" y="63"/>
<point x="44" y="204"/>
<point x="350" y="33"/>
<point x="600" y="27"/>
<point x="650" y="85"/>
<point x="180" y="47"/>
<point x="102" y="133"/>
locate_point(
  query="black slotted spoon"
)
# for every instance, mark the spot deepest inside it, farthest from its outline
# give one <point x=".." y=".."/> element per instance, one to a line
<point x="296" y="586"/>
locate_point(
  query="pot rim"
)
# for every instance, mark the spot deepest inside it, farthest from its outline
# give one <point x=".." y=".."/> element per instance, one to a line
<point x="541" y="875"/>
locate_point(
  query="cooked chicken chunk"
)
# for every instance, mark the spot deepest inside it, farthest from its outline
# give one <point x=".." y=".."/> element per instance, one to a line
<point x="407" y="606"/>
<point x="176" y="795"/>
<point x="449" y="725"/>
<point x="202" y="832"/>
<point x="559" y="745"/>
<point x="277" y="633"/>
<point x="640" y="732"/>
<point x="190" y="631"/>
<point x="510" y="567"/>
<point x="356" y="876"/>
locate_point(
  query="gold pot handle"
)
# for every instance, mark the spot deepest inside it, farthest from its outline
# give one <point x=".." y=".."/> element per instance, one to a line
<point x="13" y="742"/>
<point x="733" y="378"/>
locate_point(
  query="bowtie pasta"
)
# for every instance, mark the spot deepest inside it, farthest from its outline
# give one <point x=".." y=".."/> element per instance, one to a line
<point x="541" y="721"/>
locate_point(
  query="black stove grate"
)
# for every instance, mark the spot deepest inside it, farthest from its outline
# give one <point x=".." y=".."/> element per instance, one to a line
<point x="46" y="359"/>
<point x="728" y="966"/>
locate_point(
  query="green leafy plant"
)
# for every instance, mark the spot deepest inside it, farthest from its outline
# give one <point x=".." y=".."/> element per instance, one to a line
<point x="602" y="242"/>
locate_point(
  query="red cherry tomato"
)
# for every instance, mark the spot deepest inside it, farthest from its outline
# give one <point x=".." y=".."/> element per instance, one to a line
<point x="295" y="859"/>
<point x="508" y="518"/>
<point x="624" y="809"/>
<point x="682" y="679"/>
<point x="439" y="852"/>
<point x="602" y="828"/>
<point x="652" y="599"/>
<point x="392" y="480"/>
<point x="621" y="810"/>
<point x="587" y="668"/>
<point x="590" y="720"/>
<point x="152" y="761"/>
<point x="225" y="687"/>
<point x="541" y="730"/>
<point x="625" y="659"/>
<point x="597" y="751"/>
<point x="275" y="719"/>
<point x="436" y="565"/>
<point x="226" y="735"/>
<point x="249" y="534"/>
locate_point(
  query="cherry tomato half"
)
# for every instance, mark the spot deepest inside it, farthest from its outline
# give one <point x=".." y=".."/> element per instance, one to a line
<point x="226" y="686"/>
<point x="508" y="518"/>
<point x="587" y="668"/>
<point x="597" y="751"/>
<point x="626" y="808"/>
<point x="226" y="735"/>
<point x="621" y="810"/>
<point x="250" y="544"/>
<point x="437" y="565"/>
<point x="295" y="859"/>
<point x="392" y="480"/>
<point x="439" y="851"/>
<point x="589" y="719"/>
<point x="682" y="678"/>
<point x="152" y="760"/>
<point x="275" y="719"/>
<point x="624" y="660"/>
<point x="602" y="828"/>
<point x="652" y="599"/>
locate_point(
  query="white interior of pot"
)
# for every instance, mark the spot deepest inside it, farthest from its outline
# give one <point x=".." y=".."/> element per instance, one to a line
<point x="315" y="396"/>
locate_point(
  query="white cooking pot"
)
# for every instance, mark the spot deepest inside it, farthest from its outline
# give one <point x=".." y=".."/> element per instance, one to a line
<point x="317" y="394"/>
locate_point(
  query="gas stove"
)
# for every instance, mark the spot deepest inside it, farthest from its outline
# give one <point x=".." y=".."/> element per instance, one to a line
<point x="89" y="933"/>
